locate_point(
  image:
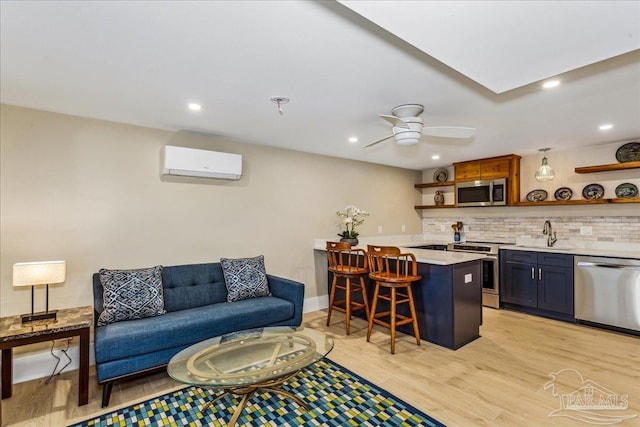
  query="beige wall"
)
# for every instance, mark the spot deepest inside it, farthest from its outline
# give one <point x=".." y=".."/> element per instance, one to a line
<point x="90" y="192"/>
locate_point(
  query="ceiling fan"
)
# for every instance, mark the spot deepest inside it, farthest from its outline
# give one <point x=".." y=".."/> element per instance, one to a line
<point x="408" y="126"/>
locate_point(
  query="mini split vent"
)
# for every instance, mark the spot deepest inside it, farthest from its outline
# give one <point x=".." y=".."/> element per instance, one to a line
<point x="200" y="163"/>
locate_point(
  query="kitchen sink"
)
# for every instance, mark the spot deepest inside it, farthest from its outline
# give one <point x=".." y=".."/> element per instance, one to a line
<point x="542" y="244"/>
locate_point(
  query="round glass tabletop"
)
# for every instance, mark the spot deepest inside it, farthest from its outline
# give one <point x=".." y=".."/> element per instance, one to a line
<point x="249" y="357"/>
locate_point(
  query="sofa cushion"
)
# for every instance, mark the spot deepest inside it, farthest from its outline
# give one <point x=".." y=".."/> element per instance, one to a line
<point x="192" y="285"/>
<point x="186" y="327"/>
<point x="131" y="294"/>
<point x="245" y="278"/>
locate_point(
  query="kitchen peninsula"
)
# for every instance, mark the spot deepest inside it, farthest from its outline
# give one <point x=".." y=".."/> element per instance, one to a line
<point x="448" y="298"/>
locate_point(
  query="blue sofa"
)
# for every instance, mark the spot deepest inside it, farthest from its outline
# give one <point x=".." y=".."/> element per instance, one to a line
<point x="195" y="298"/>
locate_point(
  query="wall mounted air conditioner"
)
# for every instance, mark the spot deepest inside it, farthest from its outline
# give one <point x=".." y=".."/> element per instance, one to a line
<point x="202" y="163"/>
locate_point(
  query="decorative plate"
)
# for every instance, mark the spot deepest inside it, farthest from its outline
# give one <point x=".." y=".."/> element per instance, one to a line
<point x="537" y="195"/>
<point x="626" y="190"/>
<point x="563" y="193"/>
<point x="593" y="191"/>
<point x="629" y="152"/>
<point x="440" y="175"/>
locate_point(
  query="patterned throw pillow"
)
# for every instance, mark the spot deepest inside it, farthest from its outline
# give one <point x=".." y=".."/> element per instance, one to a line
<point x="131" y="294"/>
<point x="245" y="278"/>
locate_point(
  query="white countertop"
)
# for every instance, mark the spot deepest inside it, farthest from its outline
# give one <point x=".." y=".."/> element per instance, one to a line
<point x="603" y="249"/>
<point x="428" y="256"/>
<point x="425" y="256"/>
<point x="589" y="248"/>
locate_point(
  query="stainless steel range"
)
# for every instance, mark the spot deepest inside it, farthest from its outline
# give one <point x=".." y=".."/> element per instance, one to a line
<point x="490" y="268"/>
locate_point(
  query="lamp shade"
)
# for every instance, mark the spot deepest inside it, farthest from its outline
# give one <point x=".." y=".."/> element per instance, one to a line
<point x="39" y="273"/>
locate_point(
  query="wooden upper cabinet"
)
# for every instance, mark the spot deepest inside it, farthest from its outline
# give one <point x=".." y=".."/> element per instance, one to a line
<point x="467" y="171"/>
<point x="493" y="168"/>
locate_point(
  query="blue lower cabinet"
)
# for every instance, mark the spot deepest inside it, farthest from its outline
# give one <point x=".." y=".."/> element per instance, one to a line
<point x="448" y="302"/>
<point x="555" y="289"/>
<point x="521" y="286"/>
<point x="538" y="283"/>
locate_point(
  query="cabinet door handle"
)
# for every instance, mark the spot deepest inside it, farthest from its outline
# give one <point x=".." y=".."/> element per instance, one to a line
<point x="539" y="273"/>
<point x="533" y="274"/>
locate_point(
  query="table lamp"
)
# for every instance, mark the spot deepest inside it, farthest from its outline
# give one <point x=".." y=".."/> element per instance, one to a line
<point x="39" y="273"/>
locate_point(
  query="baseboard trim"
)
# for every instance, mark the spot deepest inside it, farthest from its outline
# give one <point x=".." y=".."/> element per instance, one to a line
<point x="316" y="303"/>
<point x="31" y="366"/>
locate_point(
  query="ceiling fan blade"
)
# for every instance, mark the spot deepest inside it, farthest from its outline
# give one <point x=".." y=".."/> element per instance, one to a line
<point x="449" y="131"/>
<point x="396" y="121"/>
<point x="378" y="141"/>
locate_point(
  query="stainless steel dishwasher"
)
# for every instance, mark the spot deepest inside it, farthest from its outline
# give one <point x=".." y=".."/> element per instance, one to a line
<point x="607" y="291"/>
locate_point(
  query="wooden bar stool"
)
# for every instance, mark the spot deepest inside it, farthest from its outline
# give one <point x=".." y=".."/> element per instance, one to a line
<point x="395" y="271"/>
<point x="351" y="265"/>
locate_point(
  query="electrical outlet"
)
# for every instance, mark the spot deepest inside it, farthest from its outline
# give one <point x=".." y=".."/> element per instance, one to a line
<point x="586" y="230"/>
<point x="403" y="228"/>
<point x="442" y="228"/>
<point x="465" y="228"/>
<point x="379" y="229"/>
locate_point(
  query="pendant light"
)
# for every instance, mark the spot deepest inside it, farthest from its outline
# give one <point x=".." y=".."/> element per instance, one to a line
<point x="544" y="172"/>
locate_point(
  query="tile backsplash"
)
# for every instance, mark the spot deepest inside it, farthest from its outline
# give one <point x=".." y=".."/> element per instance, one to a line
<point x="506" y="229"/>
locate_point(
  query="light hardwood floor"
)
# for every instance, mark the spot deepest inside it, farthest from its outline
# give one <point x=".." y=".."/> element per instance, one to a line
<point x="497" y="380"/>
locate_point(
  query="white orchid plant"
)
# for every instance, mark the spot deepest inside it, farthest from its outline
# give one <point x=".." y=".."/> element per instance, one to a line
<point x="351" y="217"/>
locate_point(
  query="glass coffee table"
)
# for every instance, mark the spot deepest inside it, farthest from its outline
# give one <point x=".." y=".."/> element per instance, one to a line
<point x="243" y="363"/>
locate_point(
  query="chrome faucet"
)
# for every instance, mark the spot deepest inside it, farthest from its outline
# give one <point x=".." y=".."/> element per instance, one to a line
<point x="551" y="236"/>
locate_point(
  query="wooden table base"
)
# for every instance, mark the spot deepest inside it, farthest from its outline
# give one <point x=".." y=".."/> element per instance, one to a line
<point x="70" y="323"/>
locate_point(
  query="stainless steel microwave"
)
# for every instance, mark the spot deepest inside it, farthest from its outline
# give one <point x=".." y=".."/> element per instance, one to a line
<point x="491" y="192"/>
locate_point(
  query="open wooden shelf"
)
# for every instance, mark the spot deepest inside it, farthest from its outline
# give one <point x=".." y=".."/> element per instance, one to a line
<point x="434" y="206"/>
<point x="627" y="200"/>
<point x="585" y="169"/>
<point x="606" y="168"/>
<point x="580" y="202"/>
<point x="435" y="184"/>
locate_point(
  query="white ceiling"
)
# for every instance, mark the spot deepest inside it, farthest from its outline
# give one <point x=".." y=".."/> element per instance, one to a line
<point x="505" y="45"/>
<point x="142" y="62"/>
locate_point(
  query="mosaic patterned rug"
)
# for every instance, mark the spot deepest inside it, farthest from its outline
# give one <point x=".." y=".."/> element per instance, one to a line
<point x="337" y="397"/>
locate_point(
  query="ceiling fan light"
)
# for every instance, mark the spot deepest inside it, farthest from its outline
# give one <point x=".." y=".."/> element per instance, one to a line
<point x="408" y="141"/>
<point x="408" y="137"/>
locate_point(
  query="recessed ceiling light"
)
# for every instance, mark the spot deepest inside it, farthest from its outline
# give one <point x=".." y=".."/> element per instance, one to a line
<point x="195" y="107"/>
<point x="551" y="83"/>
<point x="353" y="139"/>
<point x="435" y="156"/>
<point x="606" y="126"/>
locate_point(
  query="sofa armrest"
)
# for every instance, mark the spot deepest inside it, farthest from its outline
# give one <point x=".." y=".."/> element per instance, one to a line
<point x="290" y="290"/>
